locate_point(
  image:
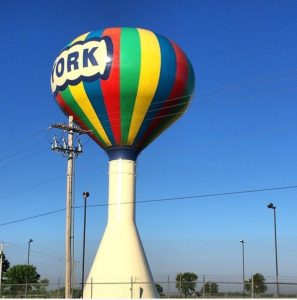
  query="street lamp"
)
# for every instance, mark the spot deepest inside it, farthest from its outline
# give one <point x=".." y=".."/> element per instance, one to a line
<point x="243" y="277"/>
<point x="28" y="263"/>
<point x="85" y="195"/>
<point x="270" y="205"/>
<point x="29" y="243"/>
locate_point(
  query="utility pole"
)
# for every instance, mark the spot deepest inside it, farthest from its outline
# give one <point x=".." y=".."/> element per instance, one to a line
<point x="1" y="262"/>
<point x="71" y="151"/>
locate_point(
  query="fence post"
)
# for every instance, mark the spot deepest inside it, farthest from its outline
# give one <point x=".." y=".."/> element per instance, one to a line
<point x="168" y="287"/>
<point x="58" y="287"/>
<point x="203" y="293"/>
<point x="131" y="287"/>
<point x="91" y="287"/>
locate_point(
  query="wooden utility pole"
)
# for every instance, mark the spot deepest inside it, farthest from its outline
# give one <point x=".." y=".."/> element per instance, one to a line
<point x="71" y="151"/>
<point x="69" y="193"/>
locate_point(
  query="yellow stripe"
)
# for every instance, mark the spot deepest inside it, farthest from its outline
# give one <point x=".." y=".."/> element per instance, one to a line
<point x="148" y="80"/>
<point x="80" y="38"/>
<point x="83" y="101"/>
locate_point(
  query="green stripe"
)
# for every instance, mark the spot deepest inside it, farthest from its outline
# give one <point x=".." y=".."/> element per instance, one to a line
<point x="69" y="99"/>
<point x="129" y="76"/>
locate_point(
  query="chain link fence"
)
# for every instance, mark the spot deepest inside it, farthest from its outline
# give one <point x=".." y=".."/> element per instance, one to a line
<point x="210" y="286"/>
<point x="168" y="287"/>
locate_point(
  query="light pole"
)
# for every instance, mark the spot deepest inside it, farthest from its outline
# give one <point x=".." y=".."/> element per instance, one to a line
<point x="243" y="279"/>
<point x="270" y="205"/>
<point x="85" y="195"/>
<point x="29" y="244"/>
<point x="28" y="263"/>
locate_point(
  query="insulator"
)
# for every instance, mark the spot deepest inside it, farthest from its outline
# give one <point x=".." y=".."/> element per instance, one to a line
<point x="55" y="143"/>
<point x="64" y="144"/>
<point x="79" y="147"/>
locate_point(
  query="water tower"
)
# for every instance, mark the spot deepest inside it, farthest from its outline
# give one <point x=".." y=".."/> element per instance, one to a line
<point x="126" y="85"/>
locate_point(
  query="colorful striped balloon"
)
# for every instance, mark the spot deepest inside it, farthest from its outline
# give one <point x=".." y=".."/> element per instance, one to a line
<point x="126" y="85"/>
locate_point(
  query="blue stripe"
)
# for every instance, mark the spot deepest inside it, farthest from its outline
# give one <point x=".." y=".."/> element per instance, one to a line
<point x="166" y="82"/>
<point x="122" y="152"/>
<point x="191" y="79"/>
<point x="94" y="92"/>
<point x="94" y="34"/>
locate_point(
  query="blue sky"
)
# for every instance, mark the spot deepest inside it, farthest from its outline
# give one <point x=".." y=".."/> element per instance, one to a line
<point x="239" y="133"/>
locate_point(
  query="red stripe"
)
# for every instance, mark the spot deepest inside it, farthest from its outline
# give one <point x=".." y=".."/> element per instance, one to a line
<point x="69" y="112"/>
<point x="111" y="86"/>
<point x="178" y="89"/>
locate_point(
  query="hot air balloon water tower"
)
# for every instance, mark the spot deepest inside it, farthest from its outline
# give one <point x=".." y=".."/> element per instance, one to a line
<point x="126" y="86"/>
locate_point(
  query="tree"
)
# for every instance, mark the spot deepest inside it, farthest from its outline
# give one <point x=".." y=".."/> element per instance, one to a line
<point x="39" y="289"/>
<point x="5" y="266"/>
<point x="17" y="277"/>
<point x="159" y="289"/>
<point x="186" y="283"/>
<point x="258" y="282"/>
<point x="210" y="288"/>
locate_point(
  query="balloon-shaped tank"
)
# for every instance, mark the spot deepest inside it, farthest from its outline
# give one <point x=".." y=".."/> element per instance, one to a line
<point x="125" y="85"/>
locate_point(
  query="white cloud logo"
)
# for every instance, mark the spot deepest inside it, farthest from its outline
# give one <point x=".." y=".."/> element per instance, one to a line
<point x="87" y="61"/>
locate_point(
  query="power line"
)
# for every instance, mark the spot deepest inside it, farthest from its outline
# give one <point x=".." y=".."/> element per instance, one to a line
<point x="24" y="139"/>
<point x="22" y="159"/>
<point x="254" y="82"/>
<point x="97" y="119"/>
<point x="228" y="87"/>
<point x="57" y="177"/>
<point x="19" y="151"/>
<point x="43" y="183"/>
<point x="35" y="251"/>
<point x="241" y="85"/>
<point x="30" y="187"/>
<point x="33" y="217"/>
<point x="159" y="200"/>
<point x="200" y="196"/>
<point x="150" y="108"/>
<point x="109" y="119"/>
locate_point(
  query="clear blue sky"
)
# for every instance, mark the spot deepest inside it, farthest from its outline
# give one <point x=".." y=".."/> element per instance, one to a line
<point x="239" y="133"/>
